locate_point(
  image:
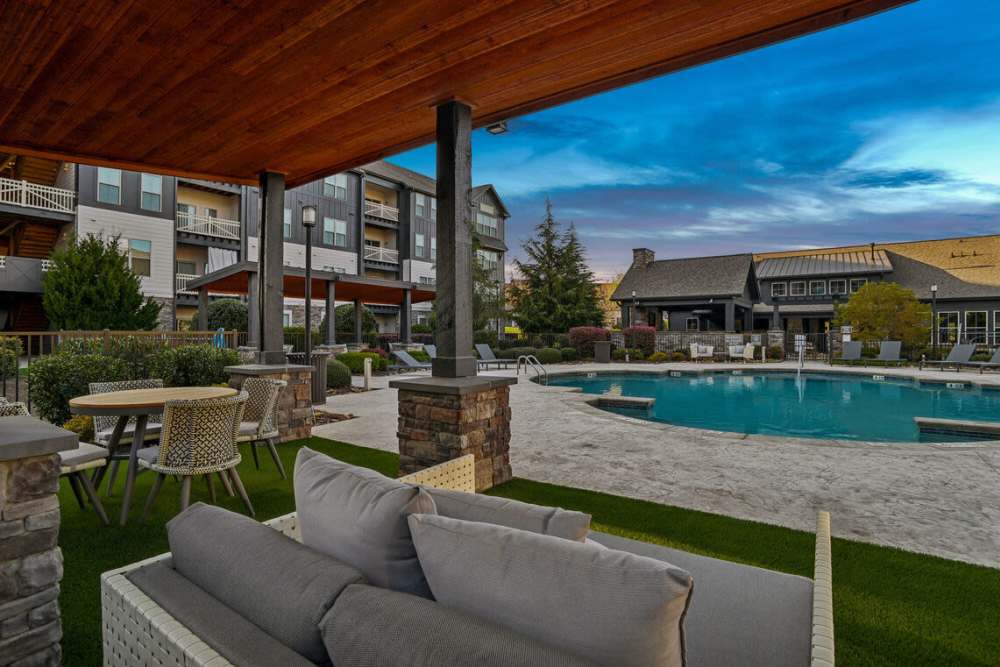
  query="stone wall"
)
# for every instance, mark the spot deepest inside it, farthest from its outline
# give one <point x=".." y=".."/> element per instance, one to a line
<point x="437" y="427"/>
<point x="166" y="316"/>
<point x="295" y="412"/>
<point x="30" y="562"/>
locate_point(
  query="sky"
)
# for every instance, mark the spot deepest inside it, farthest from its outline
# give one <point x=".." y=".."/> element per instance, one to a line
<point x="885" y="129"/>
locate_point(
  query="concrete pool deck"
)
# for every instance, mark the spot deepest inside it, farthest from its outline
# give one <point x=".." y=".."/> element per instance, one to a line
<point x="940" y="499"/>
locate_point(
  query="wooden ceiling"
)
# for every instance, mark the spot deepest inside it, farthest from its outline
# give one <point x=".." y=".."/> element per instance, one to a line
<point x="224" y="90"/>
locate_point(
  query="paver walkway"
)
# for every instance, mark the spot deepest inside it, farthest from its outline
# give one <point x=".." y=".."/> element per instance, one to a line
<point x="936" y="499"/>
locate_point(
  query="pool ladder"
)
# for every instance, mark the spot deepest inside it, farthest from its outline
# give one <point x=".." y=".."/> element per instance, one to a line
<point x="531" y="361"/>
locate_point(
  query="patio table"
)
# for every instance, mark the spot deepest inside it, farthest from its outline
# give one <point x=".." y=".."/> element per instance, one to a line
<point x="138" y="403"/>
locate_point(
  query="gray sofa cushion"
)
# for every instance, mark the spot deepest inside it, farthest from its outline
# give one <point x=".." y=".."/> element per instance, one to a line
<point x="272" y="580"/>
<point x="741" y="615"/>
<point x="359" y="517"/>
<point x="374" y="626"/>
<point x="233" y="636"/>
<point x="609" y="606"/>
<point x="511" y="513"/>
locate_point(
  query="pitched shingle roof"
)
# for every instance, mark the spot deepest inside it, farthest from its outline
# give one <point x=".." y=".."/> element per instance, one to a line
<point x="407" y="177"/>
<point x="919" y="276"/>
<point x="687" y="278"/>
<point x="825" y="264"/>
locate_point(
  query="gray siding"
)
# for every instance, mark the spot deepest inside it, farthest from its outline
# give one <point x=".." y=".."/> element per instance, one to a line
<point x="312" y="194"/>
<point x="87" y="193"/>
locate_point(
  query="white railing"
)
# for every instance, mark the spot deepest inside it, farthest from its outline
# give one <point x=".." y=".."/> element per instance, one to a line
<point x="181" y="283"/>
<point x="3" y="261"/>
<point x="33" y="195"/>
<point x="377" y="254"/>
<point x="380" y="210"/>
<point x="202" y="224"/>
<point x="487" y="231"/>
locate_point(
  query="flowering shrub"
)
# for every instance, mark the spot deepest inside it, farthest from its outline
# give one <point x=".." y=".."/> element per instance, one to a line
<point x="641" y="337"/>
<point x="583" y="339"/>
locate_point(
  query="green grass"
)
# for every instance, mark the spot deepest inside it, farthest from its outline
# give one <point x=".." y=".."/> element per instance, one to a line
<point x="891" y="607"/>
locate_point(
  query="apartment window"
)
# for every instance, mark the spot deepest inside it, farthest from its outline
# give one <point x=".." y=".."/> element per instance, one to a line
<point x="486" y="220"/>
<point x="996" y="326"/>
<point x="692" y="324"/>
<point x="187" y="268"/>
<point x="434" y="247"/>
<point x="286" y="318"/>
<point x="858" y="283"/>
<point x="335" y="232"/>
<point x="335" y="186"/>
<point x="419" y="243"/>
<point x="817" y="287"/>
<point x="838" y="286"/>
<point x="139" y="255"/>
<point x="797" y="288"/>
<point x="212" y="212"/>
<point x="286" y="225"/>
<point x="426" y="280"/>
<point x="779" y="289"/>
<point x="187" y="212"/>
<point x="421" y="205"/>
<point x="975" y="326"/>
<point x="947" y="327"/>
<point x="109" y="185"/>
<point x="488" y="259"/>
<point x="151" y="198"/>
<point x="434" y="207"/>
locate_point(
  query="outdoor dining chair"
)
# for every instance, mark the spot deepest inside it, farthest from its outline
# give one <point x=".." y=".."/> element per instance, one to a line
<point x="104" y="425"/>
<point x="259" y="426"/>
<point x="198" y="439"/>
<point x="72" y="463"/>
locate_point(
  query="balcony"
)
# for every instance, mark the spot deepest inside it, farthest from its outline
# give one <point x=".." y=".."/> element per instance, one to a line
<point x="206" y="226"/>
<point x="483" y="230"/>
<point x="33" y="195"/>
<point x="22" y="274"/>
<point x="181" y="282"/>
<point x="384" y="255"/>
<point x="382" y="211"/>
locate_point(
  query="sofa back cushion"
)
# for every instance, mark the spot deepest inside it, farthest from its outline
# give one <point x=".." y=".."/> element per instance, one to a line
<point x="609" y="606"/>
<point x="358" y="516"/>
<point x="511" y="513"/>
<point x="374" y="626"/>
<point x="271" y="580"/>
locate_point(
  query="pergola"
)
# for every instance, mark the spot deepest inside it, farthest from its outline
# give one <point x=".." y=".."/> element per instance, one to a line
<point x="282" y="93"/>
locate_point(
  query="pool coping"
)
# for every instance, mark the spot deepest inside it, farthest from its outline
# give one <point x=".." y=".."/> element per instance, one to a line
<point x="590" y="402"/>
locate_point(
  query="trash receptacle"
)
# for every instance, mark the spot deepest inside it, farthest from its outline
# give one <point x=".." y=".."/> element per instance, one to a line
<point x="318" y="362"/>
<point x="602" y="351"/>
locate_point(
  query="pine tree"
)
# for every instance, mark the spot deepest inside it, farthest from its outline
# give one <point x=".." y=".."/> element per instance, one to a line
<point x="89" y="286"/>
<point x="557" y="290"/>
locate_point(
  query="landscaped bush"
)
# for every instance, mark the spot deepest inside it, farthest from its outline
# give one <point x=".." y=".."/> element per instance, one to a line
<point x="194" y="365"/>
<point x="515" y="352"/>
<point x="421" y="329"/>
<point x="228" y="314"/>
<point x="775" y="352"/>
<point x="338" y="375"/>
<point x="10" y="352"/>
<point x="355" y="361"/>
<point x="678" y="356"/>
<point x="549" y="355"/>
<point x="569" y="354"/>
<point x="634" y="354"/>
<point x="642" y="337"/>
<point x="82" y="425"/>
<point x="583" y="339"/>
<point x="485" y="336"/>
<point x="658" y="357"/>
<point x="420" y="355"/>
<point x="56" y="378"/>
<point x="561" y="341"/>
<point x="507" y="343"/>
<point x="296" y="337"/>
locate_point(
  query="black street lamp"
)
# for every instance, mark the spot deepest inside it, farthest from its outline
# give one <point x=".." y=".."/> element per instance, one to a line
<point x="309" y="221"/>
<point x="934" y="326"/>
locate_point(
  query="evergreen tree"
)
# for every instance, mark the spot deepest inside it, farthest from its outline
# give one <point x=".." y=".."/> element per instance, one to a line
<point x="89" y="286"/>
<point x="557" y="289"/>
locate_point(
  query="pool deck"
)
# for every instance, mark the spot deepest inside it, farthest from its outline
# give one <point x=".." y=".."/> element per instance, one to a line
<point x="941" y="499"/>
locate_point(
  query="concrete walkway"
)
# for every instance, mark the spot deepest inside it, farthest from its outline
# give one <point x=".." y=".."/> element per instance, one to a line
<point x="937" y="499"/>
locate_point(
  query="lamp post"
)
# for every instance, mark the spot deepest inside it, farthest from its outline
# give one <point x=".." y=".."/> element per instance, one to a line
<point x="635" y="310"/>
<point x="309" y="221"/>
<point x="934" y="326"/>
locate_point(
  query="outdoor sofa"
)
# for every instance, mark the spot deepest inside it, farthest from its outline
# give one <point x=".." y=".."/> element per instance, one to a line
<point x="255" y="600"/>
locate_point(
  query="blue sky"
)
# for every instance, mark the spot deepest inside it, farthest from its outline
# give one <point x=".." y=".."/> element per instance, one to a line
<point x="881" y="130"/>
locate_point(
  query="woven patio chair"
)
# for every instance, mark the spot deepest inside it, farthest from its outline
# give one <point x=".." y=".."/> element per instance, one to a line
<point x="104" y="425"/>
<point x="198" y="439"/>
<point x="72" y="463"/>
<point x="260" y="420"/>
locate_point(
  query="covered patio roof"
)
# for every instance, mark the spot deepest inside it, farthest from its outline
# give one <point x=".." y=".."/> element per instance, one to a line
<point x="228" y="90"/>
<point x="236" y="278"/>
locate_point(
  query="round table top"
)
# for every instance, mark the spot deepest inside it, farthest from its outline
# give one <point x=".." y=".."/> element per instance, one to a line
<point x="142" y="401"/>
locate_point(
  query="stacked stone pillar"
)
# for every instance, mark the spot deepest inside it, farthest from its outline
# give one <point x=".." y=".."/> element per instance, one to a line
<point x="295" y="411"/>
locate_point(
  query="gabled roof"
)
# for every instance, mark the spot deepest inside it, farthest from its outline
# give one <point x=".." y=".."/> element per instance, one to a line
<point x="825" y="264"/>
<point x="918" y="277"/>
<point x="477" y="193"/>
<point x="411" y="179"/>
<point x="688" y="278"/>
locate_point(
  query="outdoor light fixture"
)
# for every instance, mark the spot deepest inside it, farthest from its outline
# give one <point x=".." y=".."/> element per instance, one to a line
<point x="934" y="324"/>
<point x="308" y="216"/>
<point x="308" y="221"/>
<point x="497" y="128"/>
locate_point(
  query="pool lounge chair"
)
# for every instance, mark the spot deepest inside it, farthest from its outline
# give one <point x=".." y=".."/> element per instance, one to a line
<point x="888" y="352"/>
<point x="487" y="358"/>
<point x="748" y="352"/>
<point x="431" y="350"/>
<point x="408" y="362"/>
<point x="960" y="353"/>
<point x="992" y="364"/>
<point x="851" y="351"/>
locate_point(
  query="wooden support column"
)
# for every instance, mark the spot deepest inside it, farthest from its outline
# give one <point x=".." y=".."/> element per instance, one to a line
<point x="359" y="320"/>
<point x="405" y="310"/>
<point x="730" y="315"/>
<point x="253" y="312"/>
<point x="270" y="268"/>
<point x="202" y="309"/>
<point x="454" y="248"/>
<point x="330" y="335"/>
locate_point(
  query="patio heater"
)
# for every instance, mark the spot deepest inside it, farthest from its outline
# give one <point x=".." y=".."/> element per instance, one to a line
<point x="934" y="326"/>
<point x="309" y="221"/>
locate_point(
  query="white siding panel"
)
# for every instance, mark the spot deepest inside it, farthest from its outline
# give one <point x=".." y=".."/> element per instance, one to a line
<point x="324" y="259"/>
<point x="158" y="231"/>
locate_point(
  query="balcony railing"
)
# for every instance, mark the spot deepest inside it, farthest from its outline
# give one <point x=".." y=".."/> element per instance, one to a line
<point x="207" y="226"/>
<point x="33" y="195"/>
<point x="181" y="283"/>
<point x="387" y="255"/>
<point x="379" y="210"/>
<point x="492" y="232"/>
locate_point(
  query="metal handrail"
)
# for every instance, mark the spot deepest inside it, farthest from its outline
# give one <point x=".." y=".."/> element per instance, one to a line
<point x="531" y="361"/>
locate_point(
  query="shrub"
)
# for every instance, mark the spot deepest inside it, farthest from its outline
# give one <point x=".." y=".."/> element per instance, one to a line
<point x="421" y="329"/>
<point x="10" y="352"/>
<point x="337" y="375"/>
<point x="296" y="337"/>
<point x="775" y="352"/>
<point x="485" y="336"/>
<point x="82" y="425"/>
<point x="549" y="355"/>
<point x="561" y="341"/>
<point x="583" y="339"/>
<point x="420" y="355"/>
<point x="56" y="378"/>
<point x="515" y="352"/>
<point x="197" y="365"/>
<point x="569" y="354"/>
<point x="678" y="356"/>
<point x="642" y="337"/>
<point x="634" y="354"/>
<point x="658" y="357"/>
<point x="355" y="361"/>
<point x="228" y="314"/>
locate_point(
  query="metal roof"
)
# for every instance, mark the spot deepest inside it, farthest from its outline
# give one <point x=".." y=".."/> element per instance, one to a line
<point x="825" y="264"/>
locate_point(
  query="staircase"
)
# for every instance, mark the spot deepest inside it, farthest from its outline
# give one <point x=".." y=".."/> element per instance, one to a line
<point x="34" y="240"/>
<point x="27" y="314"/>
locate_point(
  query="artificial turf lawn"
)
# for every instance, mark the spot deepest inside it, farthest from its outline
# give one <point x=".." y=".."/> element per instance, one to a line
<point x="891" y="607"/>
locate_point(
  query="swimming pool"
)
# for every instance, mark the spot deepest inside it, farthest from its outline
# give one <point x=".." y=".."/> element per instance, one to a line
<point x="825" y="406"/>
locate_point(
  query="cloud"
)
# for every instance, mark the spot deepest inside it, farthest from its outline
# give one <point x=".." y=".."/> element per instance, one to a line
<point x="885" y="178"/>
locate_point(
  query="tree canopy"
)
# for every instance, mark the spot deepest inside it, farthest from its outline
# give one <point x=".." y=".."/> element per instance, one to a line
<point x="228" y="314"/>
<point x="557" y="289"/>
<point x="345" y="320"/>
<point x="886" y="311"/>
<point x="89" y="286"/>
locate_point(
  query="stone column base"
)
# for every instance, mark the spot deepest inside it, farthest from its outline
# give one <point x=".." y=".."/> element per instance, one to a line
<point x="295" y="412"/>
<point x="444" y="418"/>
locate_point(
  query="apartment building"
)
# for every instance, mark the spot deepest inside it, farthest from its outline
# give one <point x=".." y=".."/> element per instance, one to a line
<point x="377" y="221"/>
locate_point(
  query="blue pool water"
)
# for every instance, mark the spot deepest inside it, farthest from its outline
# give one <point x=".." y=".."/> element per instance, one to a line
<point x="837" y="407"/>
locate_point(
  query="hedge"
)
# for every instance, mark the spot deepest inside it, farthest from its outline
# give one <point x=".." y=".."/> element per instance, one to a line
<point x="642" y="337"/>
<point x="515" y="352"/>
<point x="338" y="375"/>
<point x="355" y="361"/>
<point x="583" y="339"/>
<point x="549" y="355"/>
<point x="569" y="354"/>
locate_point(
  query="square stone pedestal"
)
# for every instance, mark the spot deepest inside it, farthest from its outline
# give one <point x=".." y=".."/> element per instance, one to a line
<point x="295" y="413"/>
<point x="444" y="418"/>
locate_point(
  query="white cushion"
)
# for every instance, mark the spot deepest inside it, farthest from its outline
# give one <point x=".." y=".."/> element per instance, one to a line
<point x="249" y="428"/>
<point x="85" y="453"/>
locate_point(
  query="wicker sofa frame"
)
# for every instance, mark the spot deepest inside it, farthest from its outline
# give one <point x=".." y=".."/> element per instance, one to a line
<point x="137" y="631"/>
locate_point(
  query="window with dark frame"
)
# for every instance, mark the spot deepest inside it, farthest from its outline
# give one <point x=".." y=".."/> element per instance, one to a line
<point x="140" y="253"/>
<point x="335" y="186"/>
<point x="817" y="288"/>
<point x="858" y="283"/>
<point x="109" y="185"/>
<point x="286" y="226"/>
<point x="838" y="286"/>
<point x="797" y="288"/>
<point x="692" y="324"/>
<point x="151" y="192"/>
<point x="779" y="289"/>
